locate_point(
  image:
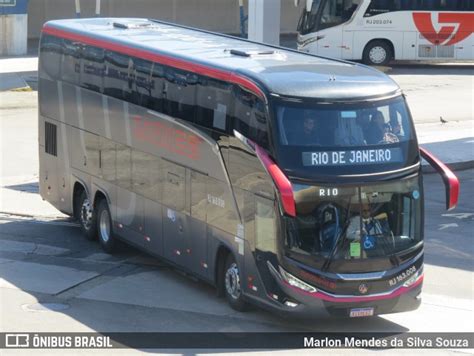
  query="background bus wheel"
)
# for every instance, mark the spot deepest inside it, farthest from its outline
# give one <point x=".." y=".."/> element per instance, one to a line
<point x="87" y="217"/>
<point x="377" y="53"/>
<point x="232" y="284"/>
<point x="104" y="227"/>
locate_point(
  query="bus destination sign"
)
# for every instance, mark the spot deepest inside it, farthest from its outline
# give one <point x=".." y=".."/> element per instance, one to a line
<point x="352" y="157"/>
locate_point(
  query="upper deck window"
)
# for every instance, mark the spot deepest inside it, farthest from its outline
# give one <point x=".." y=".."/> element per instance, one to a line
<point x="251" y="117"/>
<point x="93" y="68"/>
<point x="343" y="125"/>
<point x="50" y="54"/>
<point x="71" y="63"/>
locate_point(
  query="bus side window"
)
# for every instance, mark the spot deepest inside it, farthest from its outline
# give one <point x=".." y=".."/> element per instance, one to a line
<point x="250" y="117"/>
<point x="214" y="102"/>
<point x="92" y="68"/>
<point x="71" y="63"/>
<point x="51" y="50"/>
<point x="141" y="82"/>
<point x="156" y="88"/>
<point x="378" y="7"/>
<point x="265" y="225"/>
<point x="117" y="75"/>
<point x="179" y="94"/>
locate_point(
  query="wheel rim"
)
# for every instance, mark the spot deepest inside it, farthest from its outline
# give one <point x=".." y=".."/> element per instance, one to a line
<point x="86" y="214"/>
<point x="232" y="281"/>
<point x="377" y="54"/>
<point x="104" y="226"/>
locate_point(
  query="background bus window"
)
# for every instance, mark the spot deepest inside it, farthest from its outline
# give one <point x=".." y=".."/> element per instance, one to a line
<point x="92" y="68"/>
<point x="214" y="104"/>
<point x="377" y="7"/>
<point x="265" y="225"/>
<point x="308" y="20"/>
<point x="145" y="174"/>
<point x="142" y="83"/>
<point x="250" y="117"/>
<point x="337" y="12"/>
<point x="180" y="94"/>
<point x="71" y="63"/>
<point x="51" y="50"/>
<point x="117" y="75"/>
<point x="123" y="172"/>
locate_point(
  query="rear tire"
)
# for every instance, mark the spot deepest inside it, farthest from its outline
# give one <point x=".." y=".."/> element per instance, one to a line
<point x="377" y="53"/>
<point x="87" y="217"/>
<point x="104" y="227"/>
<point x="233" y="285"/>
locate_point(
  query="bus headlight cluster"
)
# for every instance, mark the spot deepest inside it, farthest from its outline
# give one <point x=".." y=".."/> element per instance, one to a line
<point x="296" y="282"/>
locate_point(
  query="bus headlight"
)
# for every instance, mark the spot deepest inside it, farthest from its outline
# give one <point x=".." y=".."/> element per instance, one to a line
<point x="296" y="282"/>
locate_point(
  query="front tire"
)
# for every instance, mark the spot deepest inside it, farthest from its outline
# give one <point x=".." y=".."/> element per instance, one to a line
<point x="233" y="285"/>
<point x="87" y="217"/>
<point x="377" y="53"/>
<point x="104" y="227"/>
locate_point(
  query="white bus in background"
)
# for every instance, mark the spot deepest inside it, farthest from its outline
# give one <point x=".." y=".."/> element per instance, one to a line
<point x="377" y="31"/>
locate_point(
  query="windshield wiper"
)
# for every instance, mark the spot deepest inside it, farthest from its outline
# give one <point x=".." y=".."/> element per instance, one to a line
<point x="339" y="241"/>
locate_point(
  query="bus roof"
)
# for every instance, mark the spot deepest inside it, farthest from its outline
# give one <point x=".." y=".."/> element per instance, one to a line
<point x="278" y="70"/>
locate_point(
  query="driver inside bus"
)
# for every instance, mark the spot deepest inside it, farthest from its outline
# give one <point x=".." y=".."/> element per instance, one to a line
<point x="372" y="227"/>
<point x="309" y="132"/>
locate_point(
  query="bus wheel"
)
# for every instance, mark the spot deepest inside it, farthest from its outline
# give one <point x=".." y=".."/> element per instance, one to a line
<point x="233" y="286"/>
<point x="377" y="53"/>
<point x="87" y="217"/>
<point x="104" y="227"/>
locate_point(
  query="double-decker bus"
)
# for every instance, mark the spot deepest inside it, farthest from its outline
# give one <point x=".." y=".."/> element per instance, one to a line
<point x="377" y="31"/>
<point x="284" y="179"/>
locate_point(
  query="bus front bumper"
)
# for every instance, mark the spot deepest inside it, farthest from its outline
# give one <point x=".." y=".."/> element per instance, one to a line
<point x="319" y="303"/>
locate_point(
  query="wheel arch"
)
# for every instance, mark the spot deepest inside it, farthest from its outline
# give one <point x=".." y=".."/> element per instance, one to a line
<point x="79" y="188"/>
<point x="221" y="255"/>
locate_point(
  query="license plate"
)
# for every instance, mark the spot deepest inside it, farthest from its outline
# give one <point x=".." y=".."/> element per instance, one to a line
<point x="361" y="312"/>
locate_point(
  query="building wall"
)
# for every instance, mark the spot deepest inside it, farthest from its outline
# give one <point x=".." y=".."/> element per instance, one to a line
<point x="214" y="15"/>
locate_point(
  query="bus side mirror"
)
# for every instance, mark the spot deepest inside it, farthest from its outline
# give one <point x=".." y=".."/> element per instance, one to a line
<point x="450" y="180"/>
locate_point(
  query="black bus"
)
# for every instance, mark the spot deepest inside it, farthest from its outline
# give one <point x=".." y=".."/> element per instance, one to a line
<point x="284" y="179"/>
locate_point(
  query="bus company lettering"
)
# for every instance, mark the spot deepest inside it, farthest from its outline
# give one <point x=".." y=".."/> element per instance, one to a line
<point x="166" y="136"/>
<point x="336" y="158"/>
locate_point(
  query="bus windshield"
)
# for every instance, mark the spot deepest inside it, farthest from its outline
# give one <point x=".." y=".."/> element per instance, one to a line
<point x="335" y="225"/>
<point x="344" y="125"/>
<point x="342" y="137"/>
<point x="325" y="14"/>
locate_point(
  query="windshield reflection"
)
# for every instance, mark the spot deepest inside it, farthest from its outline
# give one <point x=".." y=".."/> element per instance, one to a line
<point x="350" y="223"/>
